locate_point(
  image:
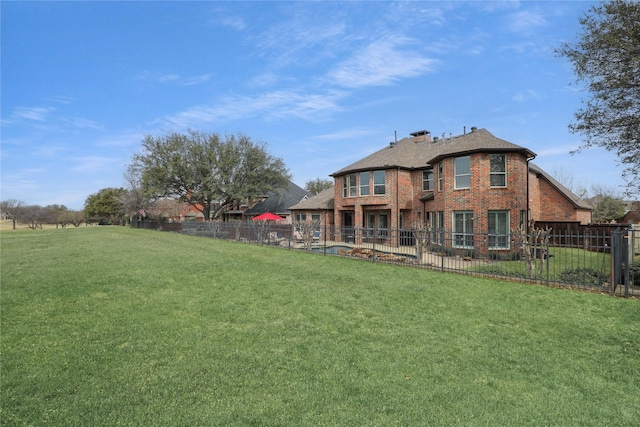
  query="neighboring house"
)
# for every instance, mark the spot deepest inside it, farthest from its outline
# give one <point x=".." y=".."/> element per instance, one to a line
<point x="463" y="184"/>
<point x="632" y="214"/>
<point x="279" y="202"/>
<point x="318" y="208"/>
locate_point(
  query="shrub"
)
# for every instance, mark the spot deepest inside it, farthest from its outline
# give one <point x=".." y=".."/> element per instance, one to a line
<point x="499" y="270"/>
<point x="584" y="276"/>
<point x="634" y="272"/>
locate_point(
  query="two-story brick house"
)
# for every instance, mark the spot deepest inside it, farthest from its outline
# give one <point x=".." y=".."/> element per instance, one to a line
<point x="466" y="184"/>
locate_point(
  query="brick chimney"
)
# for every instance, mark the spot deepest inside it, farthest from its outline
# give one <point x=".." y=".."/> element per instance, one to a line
<point x="421" y="136"/>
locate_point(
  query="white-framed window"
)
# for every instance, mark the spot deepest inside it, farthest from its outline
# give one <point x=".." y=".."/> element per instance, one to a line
<point x="427" y="180"/>
<point x="498" y="237"/>
<point x="463" y="229"/>
<point x="498" y="174"/>
<point x="379" y="186"/>
<point x="364" y="184"/>
<point x="462" y="168"/>
<point x="349" y="186"/>
<point x="301" y="217"/>
<point x="440" y="176"/>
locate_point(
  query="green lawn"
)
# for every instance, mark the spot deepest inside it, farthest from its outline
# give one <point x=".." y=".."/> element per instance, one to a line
<point x="563" y="260"/>
<point x="114" y="326"/>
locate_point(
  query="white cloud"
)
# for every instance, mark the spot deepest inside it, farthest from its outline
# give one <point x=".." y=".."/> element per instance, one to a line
<point x="235" y="22"/>
<point x="95" y="163"/>
<point x="346" y="134"/>
<point x="276" y="104"/>
<point x="525" y="21"/>
<point x="191" y="81"/>
<point x="556" y="150"/>
<point x="381" y="63"/>
<point x="172" y="78"/>
<point x="306" y="36"/>
<point x="33" y="113"/>
<point x="527" y="95"/>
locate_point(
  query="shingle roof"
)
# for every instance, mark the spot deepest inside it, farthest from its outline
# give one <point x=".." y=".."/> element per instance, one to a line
<point x="280" y="202"/>
<point x="408" y="154"/>
<point x="577" y="202"/>
<point x="321" y="201"/>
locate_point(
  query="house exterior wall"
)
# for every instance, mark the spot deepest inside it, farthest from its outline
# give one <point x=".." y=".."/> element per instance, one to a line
<point x="405" y="202"/>
<point x="481" y="197"/>
<point x="548" y="204"/>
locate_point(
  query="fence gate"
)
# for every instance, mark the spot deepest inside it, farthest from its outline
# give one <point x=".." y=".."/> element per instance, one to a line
<point x="620" y="260"/>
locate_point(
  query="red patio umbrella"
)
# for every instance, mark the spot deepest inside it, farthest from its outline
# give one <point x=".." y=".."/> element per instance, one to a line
<point x="267" y="216"/>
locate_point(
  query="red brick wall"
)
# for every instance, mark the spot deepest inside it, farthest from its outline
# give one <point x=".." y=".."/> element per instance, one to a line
<point x="404" y="191"/>
<point x="552" y="205"/>
<point x="481" y="197"/>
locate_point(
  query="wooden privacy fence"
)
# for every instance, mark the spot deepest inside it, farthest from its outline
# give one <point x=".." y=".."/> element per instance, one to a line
<point x="572" y="233"/>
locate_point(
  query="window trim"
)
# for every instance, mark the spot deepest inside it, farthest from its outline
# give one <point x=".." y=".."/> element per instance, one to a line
<point x="349" y="185"/>
<point x="428" y="180"/>
<point x="458" y="175"/>
<point x="464" y="239"/>
<point x="377" y="185"/>
<point x="366" y="185"/>
<point x="494" y="237"/>
<point x="499" y="173"/>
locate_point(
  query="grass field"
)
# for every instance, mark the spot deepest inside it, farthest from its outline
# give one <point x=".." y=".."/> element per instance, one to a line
<point x="563" y="259"/>
<point x="115" y="326"/>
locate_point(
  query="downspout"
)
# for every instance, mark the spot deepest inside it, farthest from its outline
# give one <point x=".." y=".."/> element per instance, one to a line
<point x="398" y="199"/>
<point x="528" y="209"/>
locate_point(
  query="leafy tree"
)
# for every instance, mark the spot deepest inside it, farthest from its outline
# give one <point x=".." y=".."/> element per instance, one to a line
<point x="105" y="206"/>
<point x="208" y="172"/>
<point x="607" y="58"/>
<point x="608" y="209"/>
<point x="315" y="186"/>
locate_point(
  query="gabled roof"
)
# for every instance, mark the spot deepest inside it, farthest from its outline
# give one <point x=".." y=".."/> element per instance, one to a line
<point x="279" y="202"/>
<point x="409" y="154"/>
<point x="575" y="200"/>
<point x="321" y="201"/>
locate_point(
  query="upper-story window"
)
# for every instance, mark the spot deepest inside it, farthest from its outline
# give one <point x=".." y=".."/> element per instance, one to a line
<point x="349" y="186"/>
<point x="364" y="184"/>
<point x="440" y="176"/>
<point x="462" y="167"/>
<point x="498" y="174"/>
<point x="379" y="186"/>
<point x="427" y="180"/>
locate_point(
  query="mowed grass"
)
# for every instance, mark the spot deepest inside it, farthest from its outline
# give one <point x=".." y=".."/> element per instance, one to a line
<point x="115" y="326"/>
<point x="563" y="259"/>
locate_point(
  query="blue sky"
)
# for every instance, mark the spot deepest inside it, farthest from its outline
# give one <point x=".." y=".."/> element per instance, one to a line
<point x="323" y="84"/>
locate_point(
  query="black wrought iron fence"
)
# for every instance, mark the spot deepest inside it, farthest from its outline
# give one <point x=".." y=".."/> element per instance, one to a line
<point x="602" y="262"/>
